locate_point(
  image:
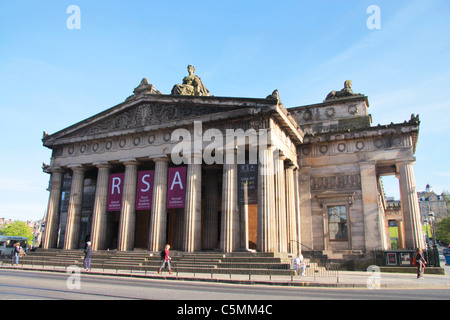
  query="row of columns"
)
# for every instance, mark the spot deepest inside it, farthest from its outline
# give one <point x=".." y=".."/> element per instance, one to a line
<point x="278" y="224"/>
<point x="373" y="225"/>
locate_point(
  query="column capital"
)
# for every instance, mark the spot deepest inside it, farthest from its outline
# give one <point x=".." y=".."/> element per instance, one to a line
<point x="161" y="159"/>
<point x="102" y="165"/>
<point x="77" y="168"/>
<point x="408" y="161"/>
<point x="367" y="163"/>
<point x="129" y="162"/>
<point x="56" y="170"/>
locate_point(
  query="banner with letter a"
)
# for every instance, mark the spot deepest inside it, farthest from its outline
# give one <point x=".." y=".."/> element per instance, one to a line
<point x="115" y="190"/>
<point x="176" y="191"/>
<point x="144" y="191"/>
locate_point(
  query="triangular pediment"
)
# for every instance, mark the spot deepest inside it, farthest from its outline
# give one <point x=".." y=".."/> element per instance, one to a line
<point x="154" y="112"/>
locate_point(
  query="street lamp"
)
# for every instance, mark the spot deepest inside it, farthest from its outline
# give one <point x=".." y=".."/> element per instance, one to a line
<point x="426" y="222"/>
<point x="432" y="218"/>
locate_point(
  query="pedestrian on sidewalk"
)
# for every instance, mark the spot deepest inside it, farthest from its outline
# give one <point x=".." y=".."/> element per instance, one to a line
<point x="16" y="253"/>
<point x="165" y="259"/>
<point x="87" y="256"/>
<point x="420" y="262"/>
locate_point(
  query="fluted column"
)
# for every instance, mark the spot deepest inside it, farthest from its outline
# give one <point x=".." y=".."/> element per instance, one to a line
<point x="297" y="210"/>
<point x="305" y="210"/>
<point x="52" y="217"/>
<point x="266" y="201"/>
<point x="211" y="217"/>
<point x="291" y="211"/>
<point x="192" y="210"/>
<point x="72" y="237"/>
<point x="369" y="188"/>
<point x="229" y="237"/>
<point x="158" y="218"/>
<point x="99" y="215"/>
<point x="127" y="224"/>
<point x="281" y="201"/>
<point x="410" y="206"/>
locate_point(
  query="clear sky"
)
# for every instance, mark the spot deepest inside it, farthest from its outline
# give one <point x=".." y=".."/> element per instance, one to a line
<point x="52" y="76"/>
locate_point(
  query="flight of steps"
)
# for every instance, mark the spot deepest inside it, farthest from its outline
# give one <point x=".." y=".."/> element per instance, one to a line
<point x="204" y="262"/>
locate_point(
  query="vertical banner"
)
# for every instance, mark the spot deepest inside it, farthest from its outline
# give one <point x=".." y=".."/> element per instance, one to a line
<point x="144" y="191"/>
<point x="115" y="190"/>
<point x="247" y="184"/>
<point x="176" y="191"/>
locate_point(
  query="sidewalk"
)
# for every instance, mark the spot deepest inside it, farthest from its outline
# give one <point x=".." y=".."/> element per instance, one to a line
<point x="339" y="279"/>
<point x="343" y="279"/>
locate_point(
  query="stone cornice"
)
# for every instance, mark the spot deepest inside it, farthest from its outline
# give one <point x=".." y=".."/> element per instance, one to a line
<point x="159" y="112"/>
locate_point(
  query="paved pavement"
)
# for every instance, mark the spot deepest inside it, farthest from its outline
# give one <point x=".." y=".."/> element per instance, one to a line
<point x="357" y="279"/>
<point x="348" y="279"/>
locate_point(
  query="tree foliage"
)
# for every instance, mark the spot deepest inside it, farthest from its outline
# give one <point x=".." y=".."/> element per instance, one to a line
<point x="18" y="229"/>
<point x="443" y="230"/>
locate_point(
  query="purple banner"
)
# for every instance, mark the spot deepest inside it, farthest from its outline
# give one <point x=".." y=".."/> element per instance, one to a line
<point x="115" y="191"/>
<point x="176" y="192"/>
<point x="144" y="192"/>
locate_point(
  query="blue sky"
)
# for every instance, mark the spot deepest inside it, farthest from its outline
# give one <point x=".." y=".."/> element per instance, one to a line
<point x="52" y="77"/>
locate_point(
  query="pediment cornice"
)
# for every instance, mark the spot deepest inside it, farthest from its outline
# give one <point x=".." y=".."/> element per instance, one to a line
<point x="154" y="112"/>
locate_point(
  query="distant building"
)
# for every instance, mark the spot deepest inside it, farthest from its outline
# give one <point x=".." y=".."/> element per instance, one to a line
<point x="430" y="201"/>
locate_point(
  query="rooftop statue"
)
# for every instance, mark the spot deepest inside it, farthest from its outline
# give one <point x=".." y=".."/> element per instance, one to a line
<point x="192" y="85"/>
<point x="145" y="88"/>
<point x="346" y="92"/>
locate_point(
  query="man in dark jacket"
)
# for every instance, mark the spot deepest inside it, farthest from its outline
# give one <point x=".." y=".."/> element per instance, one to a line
<point x="87" y="256"/>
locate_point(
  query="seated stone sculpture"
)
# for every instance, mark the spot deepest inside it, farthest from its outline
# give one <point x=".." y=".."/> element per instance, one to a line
<point x="346" y="92"/>
<point x="145" y="88"/>
<point x="192" y="85"/>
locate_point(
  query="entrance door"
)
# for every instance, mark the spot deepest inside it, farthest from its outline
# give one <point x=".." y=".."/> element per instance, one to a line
<point x="142" y="228"/>
<point x="252" y="226"/>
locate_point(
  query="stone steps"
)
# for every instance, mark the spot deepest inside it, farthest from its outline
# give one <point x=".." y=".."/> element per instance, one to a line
<point x="205" y="262"/>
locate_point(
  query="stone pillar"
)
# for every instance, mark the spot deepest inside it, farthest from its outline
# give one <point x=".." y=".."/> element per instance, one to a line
<point x="306" y="219"/>
<point x="158" y="218"/>
<point x="291" y="209"/>
<point x="127" y="224"/>
<point x="229" y="233"/>
<point x="99" y="215"/>
<point x="72" y="237"/>
<point x="297" y="210"/>
<point x="243" y="210"/>
<point x="211" y="219"/>
<point x="52" y="219"/>
<point x="192" y="210"/>
<point x="369" y="187"/>
<point x="266" y="201"/>
<point x="410" y="206"/>
<point x="281" y="195"/>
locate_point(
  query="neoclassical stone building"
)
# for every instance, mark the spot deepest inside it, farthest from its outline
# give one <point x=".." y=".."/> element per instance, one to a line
<point x="219" y="173"/>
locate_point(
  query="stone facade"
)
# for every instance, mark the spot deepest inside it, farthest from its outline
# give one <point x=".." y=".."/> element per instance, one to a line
<point x="430" y="201"/>
<point x="317" y="184"/>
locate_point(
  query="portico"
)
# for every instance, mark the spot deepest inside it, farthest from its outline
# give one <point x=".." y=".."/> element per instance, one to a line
<point x="137" y="135"/>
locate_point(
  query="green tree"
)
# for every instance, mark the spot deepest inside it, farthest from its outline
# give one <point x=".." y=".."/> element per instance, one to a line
<point x="443" y="230"/>
<point x="18" y="229"/>
<point x="446" y="195"/>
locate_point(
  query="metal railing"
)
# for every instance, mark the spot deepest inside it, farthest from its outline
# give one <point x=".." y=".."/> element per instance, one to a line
<point x="197" y="267"/>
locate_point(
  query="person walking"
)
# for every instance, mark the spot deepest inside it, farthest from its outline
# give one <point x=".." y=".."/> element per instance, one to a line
<point x="16" y="253"/>
<point x="165" y="259"/>
<point x="87" y="256"/>
<point x="420" y="263"/>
